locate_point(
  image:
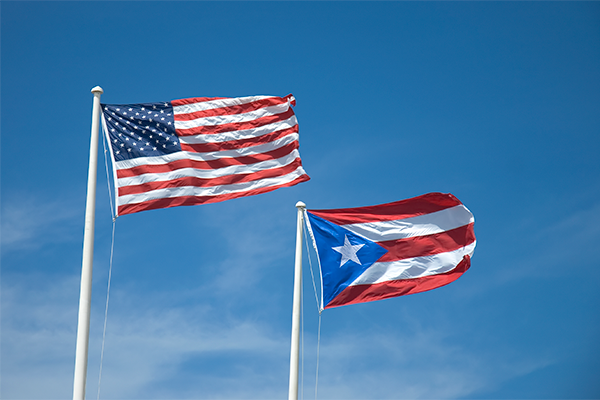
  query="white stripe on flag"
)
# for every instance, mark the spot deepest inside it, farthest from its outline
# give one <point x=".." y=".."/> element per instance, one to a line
<point x="411" y="268"/>
<point x="215" y="155"/>
<point x="241" y="134"/>
<point x="219" y="103"/>
<point x="209" y="191"/>
<point x="428" y="224"/>
<point x="209" y="173"/>
<point x="234" y="118"/>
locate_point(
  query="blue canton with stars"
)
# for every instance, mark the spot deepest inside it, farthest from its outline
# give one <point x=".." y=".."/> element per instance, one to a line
<point x="141" y="130"/>
<point x="338" y="271"/>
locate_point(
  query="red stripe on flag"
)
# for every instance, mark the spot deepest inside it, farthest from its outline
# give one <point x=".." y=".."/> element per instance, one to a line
<point x="384" y="290"/>
<point x="208" y="165"/>
<point x="231" y="110"/>
<point x="420" y="246"/>
<point x="197" y="200"/>
<point x="201" y="182"/>
<point x="235" y="126"/>
<point x="238" y="144"/>
<point x="425" y="204"/>
<point x="193" y="100"/>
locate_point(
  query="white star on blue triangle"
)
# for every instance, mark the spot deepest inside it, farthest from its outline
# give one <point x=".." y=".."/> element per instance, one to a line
<point x="348" y="251"/>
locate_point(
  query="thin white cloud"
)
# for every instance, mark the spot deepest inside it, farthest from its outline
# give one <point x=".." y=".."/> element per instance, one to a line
<point x="30" y="223"/>
<point x="421" y="364"/>
<point x="155" y="349"/>
<point x="198" y="352"/>
<point x="38" y="337"/>
<point x="142" y="347"/>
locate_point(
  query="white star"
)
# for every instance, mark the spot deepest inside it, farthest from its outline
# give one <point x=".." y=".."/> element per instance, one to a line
<point x="348" y="251"/>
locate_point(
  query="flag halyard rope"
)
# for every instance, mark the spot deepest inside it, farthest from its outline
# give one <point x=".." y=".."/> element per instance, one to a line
<point x="320" y="312"/>
<point x="112" y="245"/>
<point x="312" y="275"/>
<point x="112" y="208"/>
<point x="110" y="263"/>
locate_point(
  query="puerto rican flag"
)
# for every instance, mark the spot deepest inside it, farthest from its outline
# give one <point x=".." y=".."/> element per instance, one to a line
<point x="377" y="252"/>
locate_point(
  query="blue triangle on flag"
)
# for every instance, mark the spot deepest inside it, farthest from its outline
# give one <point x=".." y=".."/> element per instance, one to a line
<point x="343" y="255"/>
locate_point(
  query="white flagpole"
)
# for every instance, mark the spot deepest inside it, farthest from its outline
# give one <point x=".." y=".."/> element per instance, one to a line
<point x="295" y="348"/>
<point x="85" y="294"/>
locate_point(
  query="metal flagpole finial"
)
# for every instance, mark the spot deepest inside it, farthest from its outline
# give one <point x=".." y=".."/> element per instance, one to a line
<point x="97" y="90"/>
<point x="300" y="205"/>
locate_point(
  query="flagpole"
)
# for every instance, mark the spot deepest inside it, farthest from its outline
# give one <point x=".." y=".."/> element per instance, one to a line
<point x="85" y="294"/>
<point x="295" y="347"/>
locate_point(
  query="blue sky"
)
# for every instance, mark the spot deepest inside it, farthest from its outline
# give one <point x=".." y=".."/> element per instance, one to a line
<point x="495" y="102"/>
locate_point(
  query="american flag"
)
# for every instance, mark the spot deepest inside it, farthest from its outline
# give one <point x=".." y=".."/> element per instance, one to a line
<point x="201" y="150"/>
